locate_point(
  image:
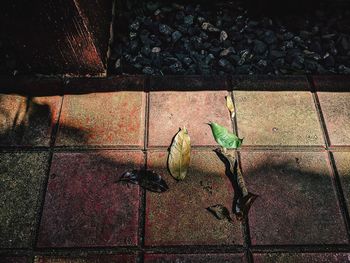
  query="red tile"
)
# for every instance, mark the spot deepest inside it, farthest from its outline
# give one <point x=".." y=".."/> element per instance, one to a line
<point x="114" y="118"/>
<point x="179" y="216"/>
<point x="171" y="110"/>
<point x="22" y="177"/>
<point x="277" y="118"/>
<point x="194" y="258"/>
<point x="297" y="203"/>
<point x="27" y="121"/>
<point x="335" y="107"/>
<point x="342" y="161"/>
<point x="302" y="258"/>
<point x="334" y="96"/>
<point x="84" y="206"/>
<point x="88" y="259"/>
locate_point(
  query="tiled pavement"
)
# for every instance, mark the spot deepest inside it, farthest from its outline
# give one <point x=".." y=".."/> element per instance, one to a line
<point x="61" y="155"/>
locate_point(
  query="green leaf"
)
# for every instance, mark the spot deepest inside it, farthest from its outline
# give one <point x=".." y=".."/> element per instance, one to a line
<point x="225" y="138"/>
<point x="180" y="155"/>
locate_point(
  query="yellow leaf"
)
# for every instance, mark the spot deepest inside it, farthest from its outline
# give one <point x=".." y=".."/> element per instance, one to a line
<point x="230" y="106"/>
<point x="180" y="155"/>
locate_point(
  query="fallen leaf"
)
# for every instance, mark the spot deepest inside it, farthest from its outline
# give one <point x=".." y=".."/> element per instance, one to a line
<point x="225" y="138"/>
<point x="243" y="205"/>
<point x="180" y="155"/>
<point x="220" y="212"/>
<point x="230" y="106"/>
<point x="146" y="179"/>
<point x="243" y="199"/>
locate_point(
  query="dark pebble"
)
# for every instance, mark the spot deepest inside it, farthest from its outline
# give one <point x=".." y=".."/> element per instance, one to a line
<point x="165" y="29"/>
<point x="269" y="37"/>
<point x="176" y="35"/>
<point x="259" y="47"/>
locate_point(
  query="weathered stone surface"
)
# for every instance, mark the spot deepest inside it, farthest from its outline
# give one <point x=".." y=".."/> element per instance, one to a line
<point x="179" y="216"/>
<point x="342" y="161"/>
<point x="194" y="258"/>
<point x="21" y="182"/>
<point x="335" y="107"/>
<point x="277" y="118"/>
<point x="171" y="110"/>
<point x="297" y="203"/>
<point x="27" y="121"/>
<point x="302" y="257"/>
<point x="88" y="259"/>
<point x="103" y="119"/>
<point x="84" y="204"/>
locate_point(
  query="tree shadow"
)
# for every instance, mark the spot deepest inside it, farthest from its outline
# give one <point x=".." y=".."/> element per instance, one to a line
<point x="297" y="203"/>
<point x="28" y="122"/>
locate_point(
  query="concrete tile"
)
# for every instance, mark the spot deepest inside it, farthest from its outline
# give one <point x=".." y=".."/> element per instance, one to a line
<point x="21" y="181"/>
<point x="277" y="118"/>
<point x="171" y="110"/>
<point x="179" y="216"/>
<point x="297" y="203"/>
<point x="27" y="121"/>
<point x="194" y="258"/>
<point x="88" y="259"/>
<point x="342" y="161"/>
<point x="335" y="107"/>
<point x="85" y="206"/>
<point x="112" y="118"/>
<point x="302" y="257"/>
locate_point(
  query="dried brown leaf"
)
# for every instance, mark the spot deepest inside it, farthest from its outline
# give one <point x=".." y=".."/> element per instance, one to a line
<point x="230" y="106"/>
<point x="180" y="155"/>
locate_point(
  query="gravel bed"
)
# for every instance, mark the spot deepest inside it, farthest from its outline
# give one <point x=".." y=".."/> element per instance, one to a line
<point x="187" y="39"/>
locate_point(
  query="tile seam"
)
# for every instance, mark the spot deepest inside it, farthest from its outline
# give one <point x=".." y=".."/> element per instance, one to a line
<point x="245" y="223"/>
<point x="196" y="147"/>
<point x="334" y="172"/>
<point x="319" y="112"/>
<point x="340" y="193"/>
<point x="190" y="249"/>
<point x="142" y="208"/>
<point x="47" y="175"/>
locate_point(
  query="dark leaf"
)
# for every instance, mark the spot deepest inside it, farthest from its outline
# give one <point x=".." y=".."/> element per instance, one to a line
<point x="243" y="205"/>
<point x="146" y="179"/>
<point x="243" y="199"/>
<point x="220" y="212"/>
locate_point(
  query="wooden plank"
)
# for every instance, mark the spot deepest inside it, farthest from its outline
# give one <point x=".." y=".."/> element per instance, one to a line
<point x="48" y="37"/>
<point x="97" y="16"/>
